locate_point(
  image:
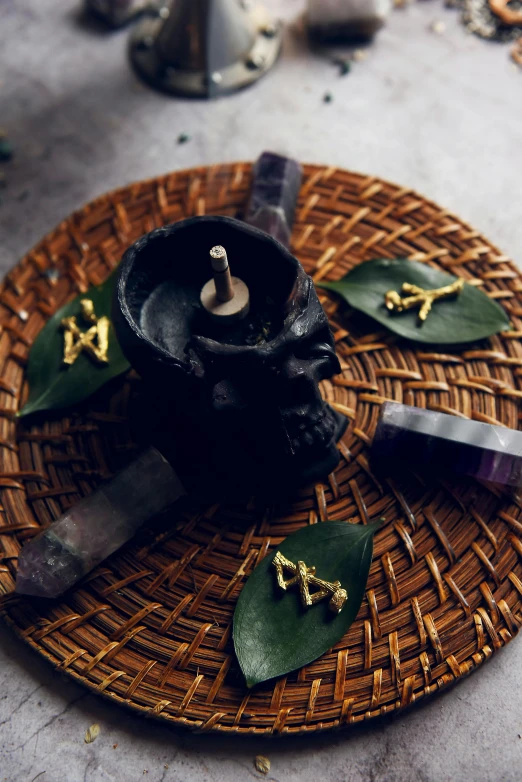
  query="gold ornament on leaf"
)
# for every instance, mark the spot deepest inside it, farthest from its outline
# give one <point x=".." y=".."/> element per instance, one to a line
<point x="305" y="578"/>
<point x="94" y="341"/>
<point x="419" y="297"/>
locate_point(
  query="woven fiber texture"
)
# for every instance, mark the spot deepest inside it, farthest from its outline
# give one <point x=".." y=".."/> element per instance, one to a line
<point x="151" y="627"/>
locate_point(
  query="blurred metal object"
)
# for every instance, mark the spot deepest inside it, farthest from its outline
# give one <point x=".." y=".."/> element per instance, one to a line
<point x="117" y="13"/>
<point x="205" y="48"/>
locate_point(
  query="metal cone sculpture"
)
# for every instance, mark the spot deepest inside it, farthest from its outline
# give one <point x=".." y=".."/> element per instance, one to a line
<point x="205" y="48"/>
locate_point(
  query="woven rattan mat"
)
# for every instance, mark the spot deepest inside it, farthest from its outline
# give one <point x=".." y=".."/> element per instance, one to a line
<point x="151" y="628"/>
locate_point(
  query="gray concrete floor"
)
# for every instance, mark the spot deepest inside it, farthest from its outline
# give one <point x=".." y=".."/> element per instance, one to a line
<point x="440" y="113"/>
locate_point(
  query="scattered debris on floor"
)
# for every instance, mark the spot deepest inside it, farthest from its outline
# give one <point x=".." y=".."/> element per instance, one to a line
<point x="328" y="97"/>
<point x="92" y="733"/>
<point x="183" y="138"/>
<point x="344" y="64"/>
<point x="516" y="52"/>
<point x="360" y="55"/>
<point x="262" y="764"/>
<point x="438" y="27"/>
<point x="6" y="148"/>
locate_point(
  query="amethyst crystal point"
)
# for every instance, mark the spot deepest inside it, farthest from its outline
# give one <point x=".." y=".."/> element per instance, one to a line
<point x="443" y="443"/>
<point x="274" y="194"/>
<point x="47" y="567"/>
<point x="97" y="526"/>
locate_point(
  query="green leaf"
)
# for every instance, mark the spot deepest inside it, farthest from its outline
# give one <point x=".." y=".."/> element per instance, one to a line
<point x="470" y="317"/>
<point x="273" y="633"/>
<point x="53" y="386"/>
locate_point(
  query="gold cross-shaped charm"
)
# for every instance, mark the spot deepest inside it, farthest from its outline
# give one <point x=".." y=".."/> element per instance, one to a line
<point x="420" y="297"/>
<point x="76" y="340"/>
<point x="305" y="577"/>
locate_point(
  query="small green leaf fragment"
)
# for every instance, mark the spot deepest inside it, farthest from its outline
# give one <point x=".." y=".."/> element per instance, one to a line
<point x="262" y="764"/>
<point x="344" y="65"/>
<point x="6" y="150"/>
<point x="92" y="733"/>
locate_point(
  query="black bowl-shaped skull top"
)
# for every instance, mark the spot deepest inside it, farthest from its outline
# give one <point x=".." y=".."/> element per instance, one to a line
<point x="238" y="406"/>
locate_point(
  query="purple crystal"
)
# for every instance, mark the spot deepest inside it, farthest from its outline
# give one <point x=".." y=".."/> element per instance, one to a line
<point x="446" y="444"/>
<point x="97" y="526"/>
<point x="274" y="194"/>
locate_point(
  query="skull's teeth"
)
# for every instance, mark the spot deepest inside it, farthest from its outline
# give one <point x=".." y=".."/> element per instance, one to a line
<point x="316" y="431"/>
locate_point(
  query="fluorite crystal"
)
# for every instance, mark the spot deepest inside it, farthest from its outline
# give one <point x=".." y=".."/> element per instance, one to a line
<point x="97" y="526"/>
<point x="273" y="198"/>
<point x="346" y="20"/>
<point x="442" y="443"/>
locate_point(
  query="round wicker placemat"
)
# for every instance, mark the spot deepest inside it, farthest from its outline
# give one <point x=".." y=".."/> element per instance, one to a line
<point x="151" y="627"/>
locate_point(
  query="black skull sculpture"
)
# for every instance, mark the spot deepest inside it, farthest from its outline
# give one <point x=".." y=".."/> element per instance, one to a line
<point x="236" y="409"/>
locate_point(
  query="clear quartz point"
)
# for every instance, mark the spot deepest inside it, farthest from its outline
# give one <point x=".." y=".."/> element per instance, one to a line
<point x="273" y="197"/>
<point x="446" y="444"/>
<point x="97" y="526"/>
